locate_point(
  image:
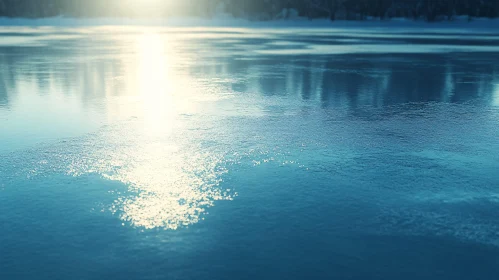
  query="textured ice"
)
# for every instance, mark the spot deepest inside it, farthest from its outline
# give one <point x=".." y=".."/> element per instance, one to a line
<point x="217" y="151"/>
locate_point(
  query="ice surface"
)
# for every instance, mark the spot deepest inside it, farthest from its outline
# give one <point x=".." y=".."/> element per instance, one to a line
<point x="192" y="151"/>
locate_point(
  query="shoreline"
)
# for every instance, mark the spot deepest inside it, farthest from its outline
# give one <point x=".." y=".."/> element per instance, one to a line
<point x="478" y="23"/>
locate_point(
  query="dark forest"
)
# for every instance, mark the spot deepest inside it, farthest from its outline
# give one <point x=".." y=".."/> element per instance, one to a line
<point x="429" y="10"/>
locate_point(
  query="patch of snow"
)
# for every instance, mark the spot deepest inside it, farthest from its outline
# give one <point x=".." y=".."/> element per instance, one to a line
<point x="225" y="20"/>
<point x="375" y="48"/>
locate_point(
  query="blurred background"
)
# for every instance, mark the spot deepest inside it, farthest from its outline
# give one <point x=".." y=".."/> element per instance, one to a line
<point x="430" y="10"/>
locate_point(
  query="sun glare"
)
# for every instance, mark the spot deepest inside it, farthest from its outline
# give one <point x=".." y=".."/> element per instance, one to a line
<point x="154" y="83"/>
<point x="174" y="180"/>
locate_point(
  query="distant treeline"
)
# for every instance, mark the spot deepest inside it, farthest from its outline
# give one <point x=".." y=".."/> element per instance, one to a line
<point x="430" y="10"/>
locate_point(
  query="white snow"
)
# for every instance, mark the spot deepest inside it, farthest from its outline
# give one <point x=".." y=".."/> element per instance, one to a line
<point x="224" y="20"/>
<point x="319" y="49"/>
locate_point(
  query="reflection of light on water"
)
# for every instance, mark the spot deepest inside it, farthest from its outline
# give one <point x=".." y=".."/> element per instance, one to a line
<point x="154" y="83"/>
<point x="172" y="178"/>
<point x="171" y="183"/>
<point x="173" y="186"/>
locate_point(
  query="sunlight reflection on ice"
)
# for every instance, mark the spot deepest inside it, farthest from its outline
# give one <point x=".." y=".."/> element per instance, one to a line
<point x="173" y="187"/>
<point x="169" y="186"/>
<point x="149" y="146"/>
<point x="173" y="180"/>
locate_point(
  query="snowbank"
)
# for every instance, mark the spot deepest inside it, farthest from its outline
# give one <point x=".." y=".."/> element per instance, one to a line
<point x="228" y="21"/>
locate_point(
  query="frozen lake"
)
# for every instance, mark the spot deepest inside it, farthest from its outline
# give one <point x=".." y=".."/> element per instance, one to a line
<point x="233" y="153"/>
